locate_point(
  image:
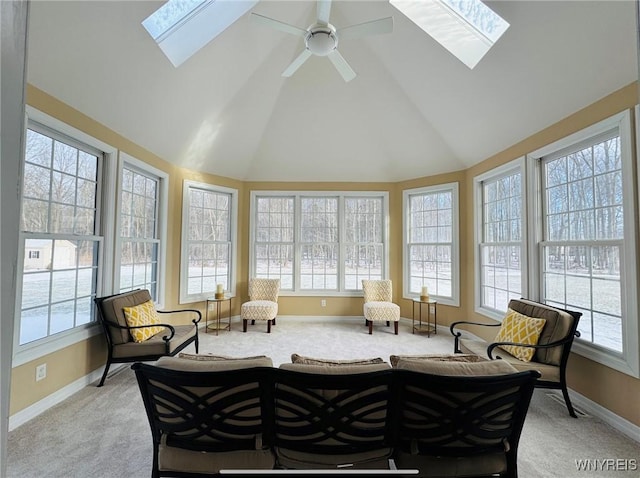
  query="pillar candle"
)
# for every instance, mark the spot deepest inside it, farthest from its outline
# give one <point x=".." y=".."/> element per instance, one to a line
<point x="219" y="289"/>
<point x="425" y="292"/>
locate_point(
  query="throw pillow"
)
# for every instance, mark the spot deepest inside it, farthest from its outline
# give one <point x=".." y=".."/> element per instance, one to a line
<point x="143" y="314"/>
<point x="522" y="329"/>
<point x="295" y="358"/>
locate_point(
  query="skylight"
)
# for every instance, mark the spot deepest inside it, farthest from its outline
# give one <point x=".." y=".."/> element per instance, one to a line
<point x="467" y="28"/>
<point x="182" y="27"/>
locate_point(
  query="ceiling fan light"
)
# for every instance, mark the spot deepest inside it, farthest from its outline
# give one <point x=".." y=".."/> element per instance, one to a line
<point x="321" y="43"/>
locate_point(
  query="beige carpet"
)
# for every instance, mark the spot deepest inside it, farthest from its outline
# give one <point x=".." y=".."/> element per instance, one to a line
<point x="103" y="432"/>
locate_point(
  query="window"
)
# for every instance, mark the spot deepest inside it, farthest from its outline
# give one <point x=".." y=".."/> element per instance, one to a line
<point x="586" y="231"/>
<point x="60" y="228"/>
<point x="431" y="242"/>
<point x="208" y="240"/>
<point x="319" y="242"/>
<point x="142" y="229"/>
<point x="500" y="239"/>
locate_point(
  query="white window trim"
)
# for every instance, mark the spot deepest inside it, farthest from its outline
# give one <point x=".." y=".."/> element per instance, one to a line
<point x="296" y="243"/>
<point x="629" y="361"/>
<point x="454" y="300"/>
<point x="185" y="298"/>
<point x="478" y="216"/>
<point x="34" y="350"/>
<point x="163" y="202"/>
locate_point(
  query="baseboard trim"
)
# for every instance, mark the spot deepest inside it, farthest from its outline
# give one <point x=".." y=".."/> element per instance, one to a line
<point x="596" y="410"/>
<point x="32" y="411"/>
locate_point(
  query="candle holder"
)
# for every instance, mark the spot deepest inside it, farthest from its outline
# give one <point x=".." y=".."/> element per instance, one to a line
<point x="219" y="295"/>
<point x="424" y="298"/>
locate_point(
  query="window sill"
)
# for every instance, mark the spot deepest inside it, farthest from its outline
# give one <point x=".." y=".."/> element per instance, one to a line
<point x="33" y="351"/>
<point x="608" y="359"/>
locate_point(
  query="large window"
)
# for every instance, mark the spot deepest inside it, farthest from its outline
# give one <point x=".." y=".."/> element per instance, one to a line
<point x="208" y="240"/>
<point x="141" y="238"/>
<point x="499" y="238"/>
<point x="586" y="230"/>
<point x="319" y="242"/>
<point x="60" y="234"/>
<point x="431" y="242"/>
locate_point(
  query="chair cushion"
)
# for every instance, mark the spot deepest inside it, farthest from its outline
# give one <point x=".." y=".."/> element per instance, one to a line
<point x="440" y="367"/>
<point x="209" y="363"/>
<point x="559" y="324"/>
<point x="521" y="329"/>
<point x="441" y="357"/>
<point x="487" y="464"/>
<point x="264" y="289"/>
<point x="384" y="311"/>
<point x="112" y="311"/>
<point x="343" y="369"/>
<point x="548" y="372"/>
<point x="259" y="310"/>
<point x="155" y="346"/>
<point x="142" y="314"/>
<point x="190" y="461"/>
<point x="295" y="358"/>
<point x="377" y="290"/>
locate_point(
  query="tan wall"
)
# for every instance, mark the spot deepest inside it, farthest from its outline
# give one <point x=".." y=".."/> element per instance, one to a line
<point x="611" y="389"/>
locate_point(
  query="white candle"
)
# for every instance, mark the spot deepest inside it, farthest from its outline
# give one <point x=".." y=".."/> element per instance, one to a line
<point x="425" y="292"/>
<point x="219" y="289"/>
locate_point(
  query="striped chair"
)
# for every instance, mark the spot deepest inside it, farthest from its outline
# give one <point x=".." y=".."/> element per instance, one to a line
<point x="378" y="305"/>
<point x="263" y="302"/>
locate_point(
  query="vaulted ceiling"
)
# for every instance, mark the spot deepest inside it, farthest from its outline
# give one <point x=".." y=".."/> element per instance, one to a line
<point x="413" y="110"/>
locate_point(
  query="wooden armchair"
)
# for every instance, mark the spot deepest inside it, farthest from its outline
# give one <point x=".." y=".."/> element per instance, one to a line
<point x="121" y="348"/>
<point x="551" y="351"/>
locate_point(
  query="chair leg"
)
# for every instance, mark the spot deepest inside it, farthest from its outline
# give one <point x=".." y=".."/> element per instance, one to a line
<point x="274" y="321"/>
<point x="268" y="326"/>
<point x="370" y="327"/>
<point x="395" y="327"/>
<point x="197" y="342"/>
<point x="388" y="323"/>
<point x="244" y="325"/>
<point x="567" y="400"/>
<point x="104" y="374"/>
<point x="253" y="321"/>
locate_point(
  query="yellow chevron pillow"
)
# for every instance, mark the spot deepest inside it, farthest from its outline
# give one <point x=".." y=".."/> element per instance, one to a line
<point x="143" y="314"/>
<point x="522" y="329"/>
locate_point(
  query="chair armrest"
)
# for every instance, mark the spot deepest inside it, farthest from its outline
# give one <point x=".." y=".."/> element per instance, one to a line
<point x="127" y="327"/>
<point x="457" y="335"/>
<point x="197" y="312"/>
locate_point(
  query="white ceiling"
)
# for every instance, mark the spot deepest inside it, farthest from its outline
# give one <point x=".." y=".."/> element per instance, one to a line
<point x="413" y="110"/>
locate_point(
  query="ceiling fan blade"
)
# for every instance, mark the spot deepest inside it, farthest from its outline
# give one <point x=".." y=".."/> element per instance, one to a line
<point x="374" y="27"/>
<point x="342" y="66"/>
<point x="297" y="63"/>
<point x="278" y="25"/>
<point x="324" y="9"/>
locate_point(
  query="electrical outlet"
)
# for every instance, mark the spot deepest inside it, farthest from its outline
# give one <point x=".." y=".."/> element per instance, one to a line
<point x="41" y="372"/>
<point x="323" y="303"/>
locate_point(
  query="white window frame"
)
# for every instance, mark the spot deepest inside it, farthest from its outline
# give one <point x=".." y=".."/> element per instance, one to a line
<point x="628" y="361"/>
<point x="341" y="291"/>
<point x="185" y="297"/>
<point x="34" y="350"/>
<point x="507" y="169"/>
<point x="128" y="161"/>
<point x="454" y="300"/>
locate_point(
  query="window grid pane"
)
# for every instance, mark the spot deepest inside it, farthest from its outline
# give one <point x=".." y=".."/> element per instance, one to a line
<point x="274" y="244"/>
<point x="363" y="251"/>
<point x="319" y="243"/>
<point x="501" y="241"/>
<point x="209" y="241"/>
<point x="430" y="244"/>
<point x="582" y="250"/>
<point x="139" y="240"/>
<point x="58" y="227"/>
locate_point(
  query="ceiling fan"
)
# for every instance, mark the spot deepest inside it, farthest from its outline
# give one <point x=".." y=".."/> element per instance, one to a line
<point x="321" y="38"/>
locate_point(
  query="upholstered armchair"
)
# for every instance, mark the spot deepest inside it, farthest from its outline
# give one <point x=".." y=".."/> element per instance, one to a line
<point x="548" y="355"/>
<point x="133" y="330"/>
<point x="378" y="305"/>
<point x="262" y="304"/>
